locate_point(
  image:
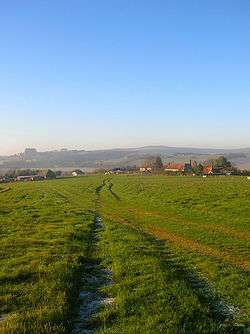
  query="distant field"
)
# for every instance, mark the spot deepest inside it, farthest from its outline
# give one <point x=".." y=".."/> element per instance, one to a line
<point x="244" y="166"/>
<point x="177" y="248"/>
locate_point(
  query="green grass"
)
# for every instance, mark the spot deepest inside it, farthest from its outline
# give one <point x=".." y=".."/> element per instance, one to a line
<point x="178" y="248"/>
<point x="206" y="222"/>
<point x="44" y="235"/>
<point x="152" y="293"/>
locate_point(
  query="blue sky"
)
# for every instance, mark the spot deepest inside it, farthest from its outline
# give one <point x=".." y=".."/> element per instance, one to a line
<point x="117" y="73"/>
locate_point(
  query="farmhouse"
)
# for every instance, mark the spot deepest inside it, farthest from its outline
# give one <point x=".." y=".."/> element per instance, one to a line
<point x="47" y="174"/>
<point x="174" y="167"/>
<point x="216" y="170"/>
<point x="179" y="167"/>
<point x="208" y="170"/>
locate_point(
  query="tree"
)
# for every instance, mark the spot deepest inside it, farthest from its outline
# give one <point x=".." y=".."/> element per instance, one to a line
<point x="23" y="172"/>
<point x="11" y="173"/>
<point x="149" y="162"/>
<point x="154" y="162"/>
<point x="222" y="162"/>
<point x="158" y="163"/>
<point x="58" y="173"/>
<point x="50" y="174"/>
<point x="198" y="169"/>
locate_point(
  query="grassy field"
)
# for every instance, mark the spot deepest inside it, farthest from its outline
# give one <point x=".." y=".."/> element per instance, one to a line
<point x="177" y="247"/>
<point x="44" y="236"/>
<point x="204" y="222"/>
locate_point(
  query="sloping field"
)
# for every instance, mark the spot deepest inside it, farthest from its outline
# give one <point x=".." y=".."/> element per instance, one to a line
<point x="127" y="254"/>
<point x="203" y="222"/>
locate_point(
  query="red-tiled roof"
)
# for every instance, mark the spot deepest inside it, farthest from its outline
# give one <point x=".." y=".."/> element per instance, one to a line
<point x="208" y="169"/>
<point x="172" y="165"/>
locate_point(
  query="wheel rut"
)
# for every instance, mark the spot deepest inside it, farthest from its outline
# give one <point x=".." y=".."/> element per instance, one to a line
<point x="95" y="277"/>
<point x="91" y="298"/>
<point x="221" y="311"/>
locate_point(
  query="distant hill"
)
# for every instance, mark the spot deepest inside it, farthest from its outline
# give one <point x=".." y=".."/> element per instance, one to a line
<point x="31" y="158"/>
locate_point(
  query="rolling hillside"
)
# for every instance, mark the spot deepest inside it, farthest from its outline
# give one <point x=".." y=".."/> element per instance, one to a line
<point x="31" y="158"/>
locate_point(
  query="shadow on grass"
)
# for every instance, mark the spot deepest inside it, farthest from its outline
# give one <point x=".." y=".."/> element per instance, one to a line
<point x="23" y="277"/>
<point x="113" y="193"/>
<point x="176" y="269"/>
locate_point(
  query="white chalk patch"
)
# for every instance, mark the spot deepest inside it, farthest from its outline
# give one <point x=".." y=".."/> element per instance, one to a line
<point x="108" y="301"/>
<point x="92" y="297"/>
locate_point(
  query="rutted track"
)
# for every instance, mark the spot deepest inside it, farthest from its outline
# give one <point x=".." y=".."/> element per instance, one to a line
<point x="220" y="310"/>
<point x="5" y="190"/>
<point x="110" y="188"/>
<point x="95" y="277"/>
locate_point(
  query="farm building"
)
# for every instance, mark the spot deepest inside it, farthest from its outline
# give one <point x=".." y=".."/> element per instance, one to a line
<point x="77" y="172"/>
<point x="179" y="167"/>
<point x="123" y="170"/>
<point x="47" y="174"/>
<point x="208" y="170"/>
<point x="29" y="178"/>
<point x="174" y="167"/>
<point x="145" y="169"/>
<point x="213" y="170"/>
<point x="24" y="178"/>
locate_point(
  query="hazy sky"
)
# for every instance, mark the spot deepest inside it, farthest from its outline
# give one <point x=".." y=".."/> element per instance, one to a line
<point x="117" y="73"/>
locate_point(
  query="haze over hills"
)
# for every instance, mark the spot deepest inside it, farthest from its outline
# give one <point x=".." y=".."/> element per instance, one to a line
<point x="119" y="157"/>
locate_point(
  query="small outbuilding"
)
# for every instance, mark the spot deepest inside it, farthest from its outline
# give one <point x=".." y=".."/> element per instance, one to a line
<point x="145" y="169"/>
<point x="77" y="172"/>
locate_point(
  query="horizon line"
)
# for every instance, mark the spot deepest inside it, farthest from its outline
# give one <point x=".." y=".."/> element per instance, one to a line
<point x="128" y="148"/>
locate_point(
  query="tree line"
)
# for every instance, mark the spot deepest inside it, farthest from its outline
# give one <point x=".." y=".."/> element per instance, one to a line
<point x="219" y="165"/>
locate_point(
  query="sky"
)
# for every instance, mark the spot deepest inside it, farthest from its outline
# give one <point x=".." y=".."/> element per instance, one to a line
<point x="93" y="74"/>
